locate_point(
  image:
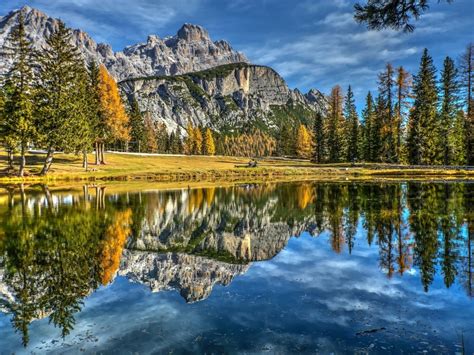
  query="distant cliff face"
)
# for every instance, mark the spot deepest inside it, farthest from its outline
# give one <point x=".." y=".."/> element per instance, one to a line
<point x="229" y="96"/>
<point x="191" y="49"/>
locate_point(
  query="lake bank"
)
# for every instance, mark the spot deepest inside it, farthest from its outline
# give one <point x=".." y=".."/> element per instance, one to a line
<point x="182" y="169"/>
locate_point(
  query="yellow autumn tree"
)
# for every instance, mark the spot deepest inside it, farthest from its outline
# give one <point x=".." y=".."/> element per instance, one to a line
<point x="113" y="125"/>
<point x="209" y="147"/>
<point x="303" y="142"/>
<point x="150" y="134"/>
<point x="198" y="141"/>
<point x="112" y="246"/>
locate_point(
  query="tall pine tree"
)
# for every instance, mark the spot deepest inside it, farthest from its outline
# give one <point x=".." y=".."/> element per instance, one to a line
<point x="449" y="110"/>
<point x="18" y="124"/>
<point x="386" y="88"/>
<point x="424" y="139"/>
<point x="319" y="137"/>
<point x="403" y="83"/>
<point x="61" y="94"/>
<point x="467" y="85"/>
<point x="369" y="136"/>
<point x="335" y="126"/>
<point x="137" y="127"/>
<point x="352" y="127"/>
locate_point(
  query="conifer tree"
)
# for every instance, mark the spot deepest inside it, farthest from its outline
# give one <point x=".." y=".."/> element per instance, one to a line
<point x="377" y="132"/>
<point x="424" y="140"/>
<point x="369" y="125"/>
<point x="61" y="95"/>
<point x="467" y="84"/>
<point x="209" y="147"/>
<point x="335" y="126"/>
<point x="386" y="87"/>
<point x="137" y="126"/>
<point x="162" y="138"/>
<point x="403" y="83"/>
<point x="319" y="151"/>
<point x="303" y="142"/>
<point x="114" y="124"/>
<point x="352" y="126"/>
<point x="449" y="110"/>
<point x="456" y="140"/>
<point x="18" y="124"/>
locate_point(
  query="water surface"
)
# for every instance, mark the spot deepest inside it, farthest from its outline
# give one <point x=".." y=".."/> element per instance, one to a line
<point x="301" y="267"/>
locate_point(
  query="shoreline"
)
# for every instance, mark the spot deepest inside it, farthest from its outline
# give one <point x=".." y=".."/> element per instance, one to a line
<point x="215" y="169"/>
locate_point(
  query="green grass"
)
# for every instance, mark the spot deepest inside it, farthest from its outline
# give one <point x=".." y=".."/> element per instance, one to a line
<point x="68" y="167"/>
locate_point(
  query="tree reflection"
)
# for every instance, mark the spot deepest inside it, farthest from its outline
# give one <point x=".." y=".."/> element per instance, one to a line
<point x="58" y="247"/>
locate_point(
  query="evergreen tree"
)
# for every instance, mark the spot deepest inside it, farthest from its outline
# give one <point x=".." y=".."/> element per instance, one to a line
<point x="335" y="124"/>
<point x="286" y="139"/>
<point x="467" y="84"/>
<point x="377" y="132"/>
<point x="137" y="127"/>
<point x="303" y="142"/>
<point x="319" y="151"/>
<point x="456" y="140"/>
<point x="18" y="124"/>
<point x="368" y="144"/>
<point x="209" y="147"/>
<point x="352" y="124"/>
<point x="423" y="140"/>
<point x="403" y="83"/>
<point x="386" y="87"/>
<point x="449" y="109"/>
<point x="61" y="95"/>
<point x="162" y="138"/>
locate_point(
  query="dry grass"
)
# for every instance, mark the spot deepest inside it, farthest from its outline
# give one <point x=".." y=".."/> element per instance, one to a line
<point x="67" y="167"/>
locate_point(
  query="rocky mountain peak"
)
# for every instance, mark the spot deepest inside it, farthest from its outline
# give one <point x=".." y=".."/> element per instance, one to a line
<point x="193" y="33"/>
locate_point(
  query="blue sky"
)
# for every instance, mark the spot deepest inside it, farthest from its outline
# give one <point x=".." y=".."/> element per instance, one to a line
<point x="312" y="44"/>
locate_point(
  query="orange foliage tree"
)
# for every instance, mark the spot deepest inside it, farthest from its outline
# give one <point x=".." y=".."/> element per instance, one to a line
<point x="113" y="124"/>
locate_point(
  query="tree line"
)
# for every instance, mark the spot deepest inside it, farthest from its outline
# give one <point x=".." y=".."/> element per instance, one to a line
<point x="420" y="120"/>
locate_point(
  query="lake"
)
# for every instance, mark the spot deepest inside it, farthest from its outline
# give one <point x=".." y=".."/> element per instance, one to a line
<point x="254" y="268"/>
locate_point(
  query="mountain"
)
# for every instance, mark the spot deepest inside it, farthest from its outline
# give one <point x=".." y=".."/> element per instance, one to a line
<point x="228" y="97"/>
<point x="191" y="49"/>
<point x="185" y="78"/>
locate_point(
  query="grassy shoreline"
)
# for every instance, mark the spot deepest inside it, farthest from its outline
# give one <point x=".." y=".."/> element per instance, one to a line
<point x="182" y="169"/>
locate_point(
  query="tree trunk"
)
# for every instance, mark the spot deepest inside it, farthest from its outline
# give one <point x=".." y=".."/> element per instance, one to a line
<point x="21" y="172"/>
<point x="97" y="158"/>
<point x="47" y="162"/>
<point x="10" y="159"/>
<point x="102" y="154"/>
<point x="85" y="162"/>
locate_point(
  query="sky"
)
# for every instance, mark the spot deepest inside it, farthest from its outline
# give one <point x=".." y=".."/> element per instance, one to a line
<point x="312" y="44"/>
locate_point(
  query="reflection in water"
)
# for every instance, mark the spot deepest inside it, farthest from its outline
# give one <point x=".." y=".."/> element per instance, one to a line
<point x="56" y="248"/>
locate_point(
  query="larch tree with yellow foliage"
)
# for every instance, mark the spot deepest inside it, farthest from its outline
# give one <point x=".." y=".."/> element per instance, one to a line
<point x="303" y="142"/>
<point x="209" y="147"/>
<point x="189" y="142"/>
<point x="198" y="141"/>
<point x="113" y="125"/>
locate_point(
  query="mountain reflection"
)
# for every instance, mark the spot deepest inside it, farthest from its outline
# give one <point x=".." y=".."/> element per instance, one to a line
<point x="57" y="247"/>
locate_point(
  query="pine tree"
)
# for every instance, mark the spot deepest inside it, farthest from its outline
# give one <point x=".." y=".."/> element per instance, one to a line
<point x="303" y="142"/>
<point x="137" y="127"/>
<point x="18" y="124"/>
<point x="386" y="86"/>
<point x="198" y="141"/>
<point x="209" y="147"/>
<point x="449" y="109"/>
<point x="162" y="138"/>
<point x="404" y="83"/>
<point x="377" y="131"/>
<point x="114" y="125"/>
<point x="456" y="140"/>
<point x="319" y="151"/>
<point x="467" y="84"/>
<point x="61" y="95"/>
<point x="424" y="140"/>
<point x="352" y="127"/>
<point x="368" y="144"/>
<point x="335" y="126"/>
